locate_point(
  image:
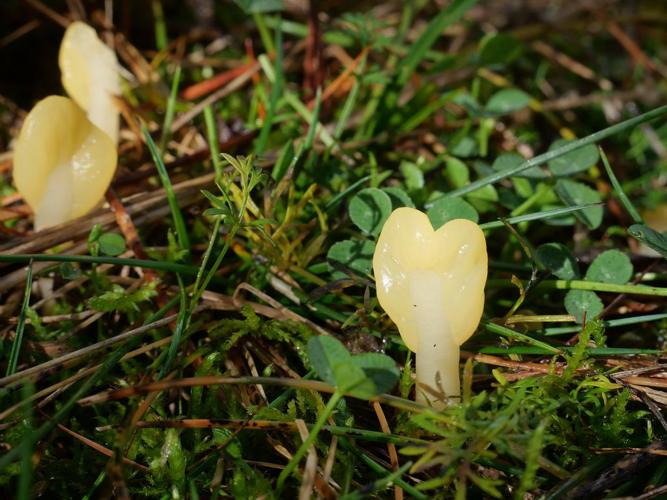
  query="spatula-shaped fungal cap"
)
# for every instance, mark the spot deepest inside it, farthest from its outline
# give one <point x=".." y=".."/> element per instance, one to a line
<point x="63" y="164"/>
<point x="89" y="71"/>
<point x="431" y="284"/>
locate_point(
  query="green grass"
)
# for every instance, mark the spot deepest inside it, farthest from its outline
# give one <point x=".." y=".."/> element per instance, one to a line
<point x="261" y="240"/>
<point x="20" y="326"/>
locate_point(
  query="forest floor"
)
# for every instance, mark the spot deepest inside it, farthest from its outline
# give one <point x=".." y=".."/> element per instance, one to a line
<point x="212" y="329"/>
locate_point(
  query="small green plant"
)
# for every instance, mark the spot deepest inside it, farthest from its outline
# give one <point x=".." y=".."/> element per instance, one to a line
<point x="362" y="376"/>
<point x="179" y="343"/>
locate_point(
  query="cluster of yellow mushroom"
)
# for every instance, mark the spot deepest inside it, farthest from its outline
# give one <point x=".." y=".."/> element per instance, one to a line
<point x="65" y="156"/>
<point x="431" y="284"/>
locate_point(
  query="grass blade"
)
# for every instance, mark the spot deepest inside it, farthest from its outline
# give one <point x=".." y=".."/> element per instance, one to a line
<point x="311" y="117"/>
<point x="342" y="195"/>
<point x="263" y="31"/>
<point x="594" y="286"/>
<point x="632" y="211"/>
<point x="212" y="136"/>
<point x="111" y="361"/>
<point x="314" y="122"/>
<point x="276" y="93"/>
<point x="350" y="102"/>
<point x="158" y="265"/>
<point x="25" y="478"/>
<point x="379" y="469"/>
<point x="418" y="50"/>
<point x="556" y="153"/>
<point x="161" y="38"/>
<point x="179" y="222"/>
<point x="182" y="321"/>
<point x="64" y="409"/>
<point x="20" y="327"/>
<point x="546" y="214"/>
<point x="593" y="351"/>
<point x="645" y="318"/>
<point x="649" y="237"/>
<point x="171" y="109"/>
<point x="520" y="337"/>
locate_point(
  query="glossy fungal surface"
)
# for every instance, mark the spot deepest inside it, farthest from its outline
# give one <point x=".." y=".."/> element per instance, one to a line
<point x="89" y="72"/>
<point x="431" y="284"/>
<point x="63" y="164"/>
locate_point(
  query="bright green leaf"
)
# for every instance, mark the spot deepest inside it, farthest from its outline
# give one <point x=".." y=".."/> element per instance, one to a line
<point x="69" y="271"/>
<point x="398" y="197"/>
<point x="369" y="209"/>
<point x="467" y="101"/>
<point x="111" y="244"/>
<point x="351" y="379"/>
<point x="325" y="353"/>
<point x="558" y="259"/>
<point x="508" y="161"/>
<point x="507" y="101"/>
<point x="464" y="147"/>
<point x="363" y="376"/>
<point x="650" y="237"/>
<point x="414" y="177"/>
<point x="583" y="302"/>
<point x="612" y="266"/>
<point x="456" y="172"/>
<point x="380" y="369"/>
<point x="573" y="162"/>
<point x="446" y="209"/>
<point x="498" y="49"/>
<point x="355" y="254"/>
<point x="574" y="193"/>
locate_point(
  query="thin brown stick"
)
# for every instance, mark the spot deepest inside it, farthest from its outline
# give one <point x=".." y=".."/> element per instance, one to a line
<point x="646" y="381"/>
<point x="57" y="318"/>
<point x="145" y="208"/>
<point x="197" y="156"/>
<point x="391" y="447"/>
<point x="18" y="33"/>
<point x="207" y="86"/>
<point x="100" y="448"/>
<point x="103" y="397"/>
<point x="312" y="63"/>
<point x="49" y="12"/>
<point x="568" y="63"/>
<point x="518" y="365"/>
<point x="633" y="48"/>
<point x="81" y="375"/>
<point x="127" y="227"/>
<point x="310" y="469"/>
<point x="85" y="351"/>
<point x="232" y="86"/>
<point x="333" y="87"/>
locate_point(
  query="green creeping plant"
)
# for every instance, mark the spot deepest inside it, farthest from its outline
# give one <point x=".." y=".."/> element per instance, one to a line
<point x="650" y="237"/>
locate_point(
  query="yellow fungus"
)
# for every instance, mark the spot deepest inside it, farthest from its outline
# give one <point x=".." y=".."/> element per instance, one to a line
<point x="89" y="72"/>
<point x="431" y="284"/>
<point x="63" y="164"/>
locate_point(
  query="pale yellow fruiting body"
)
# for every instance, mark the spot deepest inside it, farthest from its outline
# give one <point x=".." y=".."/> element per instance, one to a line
<point x="89" y="72"/>
<point x="65" y="156"/>
<point x="431" y="284"/>
<point x="63" y="164"/>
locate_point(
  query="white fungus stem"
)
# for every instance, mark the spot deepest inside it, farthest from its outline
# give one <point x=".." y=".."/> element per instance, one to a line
<point x="431" y="283"/>
<point x="437" y="357"/>
<point x="438" y="369"/>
